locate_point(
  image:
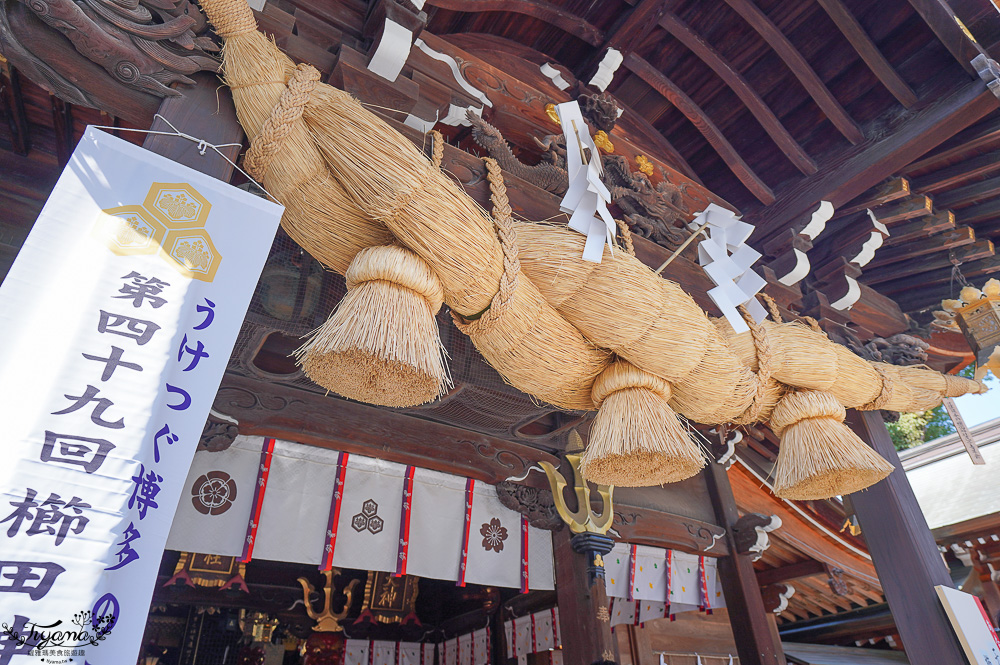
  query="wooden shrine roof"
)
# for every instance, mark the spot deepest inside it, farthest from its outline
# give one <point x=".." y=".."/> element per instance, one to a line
<point x="768" y="106"/>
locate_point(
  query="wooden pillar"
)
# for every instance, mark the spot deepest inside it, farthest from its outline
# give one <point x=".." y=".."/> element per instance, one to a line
<point x="906" y="558"/>
<point x="755" y="642"/>
<point x="639" y="646"/>
<point x="991" y="594"/>
<point x="583" y="609"/>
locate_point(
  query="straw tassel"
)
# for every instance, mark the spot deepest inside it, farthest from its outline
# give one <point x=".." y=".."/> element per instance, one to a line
<point x="636" y="439"/>
<point x="820" y="457"/>
<point x="382" y="344"/>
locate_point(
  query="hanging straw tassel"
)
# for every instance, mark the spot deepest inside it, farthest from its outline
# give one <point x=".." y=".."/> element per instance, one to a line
<point x="636" y="439"/>
<point x="382" y="344"/>
<point x="820" y="457"/>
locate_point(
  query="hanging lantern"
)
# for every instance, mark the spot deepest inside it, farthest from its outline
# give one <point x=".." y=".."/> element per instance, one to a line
<point x="976" y="314"/>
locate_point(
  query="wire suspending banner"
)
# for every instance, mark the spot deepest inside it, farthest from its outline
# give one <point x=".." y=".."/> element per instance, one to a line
<point x="117" y="321"/>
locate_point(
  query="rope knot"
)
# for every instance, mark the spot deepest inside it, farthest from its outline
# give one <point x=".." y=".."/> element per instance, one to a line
<point x="283" y="117"/>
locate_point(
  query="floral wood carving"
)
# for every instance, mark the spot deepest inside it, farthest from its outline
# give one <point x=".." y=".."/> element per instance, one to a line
<point x="536" y="504"/>
<point x="144" y="44"/>
<point x="217" y="435"/>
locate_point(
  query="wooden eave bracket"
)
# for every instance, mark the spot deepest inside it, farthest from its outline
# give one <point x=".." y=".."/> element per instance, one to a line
<point x="989" y="72"/>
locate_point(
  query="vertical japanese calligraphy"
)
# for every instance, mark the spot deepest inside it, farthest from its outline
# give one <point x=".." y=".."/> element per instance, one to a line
<point x="117" y="320"/>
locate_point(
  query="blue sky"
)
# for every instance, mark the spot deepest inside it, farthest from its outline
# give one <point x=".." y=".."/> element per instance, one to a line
<point x="976" y="409"/>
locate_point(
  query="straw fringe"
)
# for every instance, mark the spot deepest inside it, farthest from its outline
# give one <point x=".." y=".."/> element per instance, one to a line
<point x="820" y="457"/>
<point x="382" y="344"/>
<point x="636" y="439"/>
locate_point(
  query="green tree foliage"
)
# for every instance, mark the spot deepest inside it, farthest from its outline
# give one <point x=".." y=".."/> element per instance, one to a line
<point x="912" y="429"/>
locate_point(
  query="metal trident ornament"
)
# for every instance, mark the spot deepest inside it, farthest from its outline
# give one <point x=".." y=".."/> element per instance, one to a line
<point x="589" y="528"/>
<point x="583" y="519"/>
<point x="327" y="621"/>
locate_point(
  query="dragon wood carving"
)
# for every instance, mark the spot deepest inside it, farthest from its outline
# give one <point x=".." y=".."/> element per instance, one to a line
<point x="147" y="45"/>
<point x="652" y="211"/>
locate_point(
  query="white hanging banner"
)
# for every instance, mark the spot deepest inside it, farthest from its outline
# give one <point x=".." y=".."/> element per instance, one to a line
<point x="117" y="321"/>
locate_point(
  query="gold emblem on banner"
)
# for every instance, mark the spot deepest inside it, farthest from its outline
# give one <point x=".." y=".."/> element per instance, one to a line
<point x="171" y="222"/>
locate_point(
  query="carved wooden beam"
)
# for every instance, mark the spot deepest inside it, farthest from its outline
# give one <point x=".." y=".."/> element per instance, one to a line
<point x="792" y="571"/>
<point x="776" y="597"/>
<point x="656" y="80"/>
<point x="735" y="80"/>
<point x="869" y="52"/>
<point x="802" y="70"/>
<point x="540" y="9"/>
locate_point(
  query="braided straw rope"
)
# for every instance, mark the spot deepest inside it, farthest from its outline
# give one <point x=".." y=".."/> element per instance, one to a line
<point x="626" y="236"/>
<point x="762" y="349"/>
<point x="279" y="125"/>
<point x="813" y="323"/>
<point x="502" y="215"/>
<point x="772" y="307"/>
<point x="884" y="395"/>
<point x="437" y="148"/>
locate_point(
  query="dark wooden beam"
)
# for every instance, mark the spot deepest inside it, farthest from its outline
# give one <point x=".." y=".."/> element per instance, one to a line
<point x="802" y="70"/>
<point x="847" y="175"/>
<point x="735" y="80"/>
<point x="905" y="555"/>
<point x="544" y="11"/>
<point x="942" y="242"/>
<point x="942" y="20"/>
<point x="920" y="228"/>
<point x="585" y="638"/>
<point x="656" y="80"/>
<point x="792" y="571"/>
<point x="914" y="266"/>
<point x="62" y="123"/>
<point x="206" y="111"/>
<point x="890" y="190"/>
<point x="869" y="52"/>
<point x="950" y="176"/>
<point x="754" y="641"/>
<point x="13" y="108"/>
<point x="963" y="196"/>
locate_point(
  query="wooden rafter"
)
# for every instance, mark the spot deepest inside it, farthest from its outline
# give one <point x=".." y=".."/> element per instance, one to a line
<point x="635" y="26"/>
<point x="980" y="214"/>
<point x="968" y="194"/>
<point x="869" y="52"/>
<point x="739" y="85"/>
<point x="847" y="175"/>
<point x="791" y="572"/>
<point x="669" y="90"/>
<point x="802" y="70"/>
<point x="943" y="21"/>
<point x="979" y="249"/>
<point x="975" y="137"/>
<point x="920" y="228"/>
<point x="544" y="11"/>
<point x="941" y="242"/>
<point x="952" y="176"/>
<point x="927" y="290"/>
<point x="889" y="191"/>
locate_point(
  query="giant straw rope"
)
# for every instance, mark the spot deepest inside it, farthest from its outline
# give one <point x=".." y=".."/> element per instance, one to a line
<point x="613" y="336"/>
